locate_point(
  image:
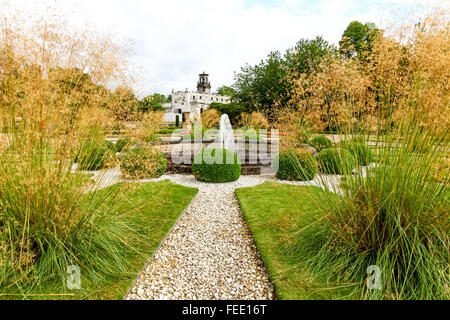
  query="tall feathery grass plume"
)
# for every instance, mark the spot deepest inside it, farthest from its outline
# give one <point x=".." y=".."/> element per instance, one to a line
<point x="393" y="213"/>
<point x="55" y="101"/>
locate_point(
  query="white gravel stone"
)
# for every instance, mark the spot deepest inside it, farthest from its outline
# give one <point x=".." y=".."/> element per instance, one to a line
<point x="210" y="253"/>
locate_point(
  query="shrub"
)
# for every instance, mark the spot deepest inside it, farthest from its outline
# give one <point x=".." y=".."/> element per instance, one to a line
<point x="394" y="218"/>
<point x="177" y="121"/>
<point x="93" y="155"/>
<point x="360" y="151"/>
<point x="122" y="144"/>
<point x="143" y="163"/>
<point x="296" y="165"/>
<point x="111" y="146"/>
<point x="216" y="166"/>
<point x="255" y="120"/>
<point x="335" y="161"/>
<point x="321" y="143"/>
<point x="210" y="119"/>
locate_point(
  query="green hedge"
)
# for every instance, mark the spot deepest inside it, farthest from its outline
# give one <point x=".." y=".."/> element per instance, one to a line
<point x="296" y="165"/>
<point x="360" y="151"/>
<point x="321" y="143"/>
<point x="143" y="163"/>
<point x="336" y="161"/>
<point x="211" y="165"/>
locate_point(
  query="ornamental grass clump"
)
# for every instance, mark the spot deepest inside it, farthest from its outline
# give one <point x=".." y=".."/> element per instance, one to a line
<point x="296" y="165"/>
<point x="359" y="150"/>
<point x="123" y="144"/>
<point x="143" y="163"/>
<point x="321" y="143"/>
<point x="393" y="217"/>
<point x="336" y="161"/>
<point x="52" y="84"/>
<point x="95" y="153"/>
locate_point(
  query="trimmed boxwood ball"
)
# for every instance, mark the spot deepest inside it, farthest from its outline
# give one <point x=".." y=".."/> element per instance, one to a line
<point x="336" y="161"/>
<point x="296" y="165"/>
<point x="122" y="143"/>
<point x="211" y="165"/>
<point x="143" y="163"/>
<point x="360" y="151"/>
<point x="93" y="155"/>
<point x="321" y="143"/>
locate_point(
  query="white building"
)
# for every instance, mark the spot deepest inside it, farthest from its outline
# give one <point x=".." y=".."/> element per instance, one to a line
<point x="192" y="104"/>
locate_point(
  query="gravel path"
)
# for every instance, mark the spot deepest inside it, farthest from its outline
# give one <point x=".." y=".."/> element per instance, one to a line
<point x="209" y="254"/>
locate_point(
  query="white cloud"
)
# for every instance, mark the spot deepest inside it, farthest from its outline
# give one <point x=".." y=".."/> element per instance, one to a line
<point x="176" y="39"/>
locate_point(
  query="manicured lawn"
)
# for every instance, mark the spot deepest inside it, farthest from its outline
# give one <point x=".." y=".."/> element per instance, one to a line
<point x="274" y="212"/>
<point x="155" y="207"/>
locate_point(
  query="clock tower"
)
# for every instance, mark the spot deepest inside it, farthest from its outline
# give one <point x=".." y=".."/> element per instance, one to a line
<point x="203" y="85"/>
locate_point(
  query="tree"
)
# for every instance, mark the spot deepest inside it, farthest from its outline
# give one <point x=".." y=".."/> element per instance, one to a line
<point x="233" y="110"/>
<point x="307" y="55"/>
<point x="265" y="87"/>
<point x="153" y="103"/>
<point x="358" y="40"/>
<point x="226" y="91"/>
<point x="260" y="87"/>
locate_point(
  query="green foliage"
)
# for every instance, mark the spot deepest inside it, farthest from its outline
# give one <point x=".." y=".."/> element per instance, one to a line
<point x="93" y="155"/>
<point x="321" y="143"/>
<point x="111" y="146"/>
<point x="216" y="166"/>
<point x="122" y="144"/>
<point x="296" y="165"/>
<point x="358" y="40"/>
<point x="360" y="151"/>
<point x="233" y="110"/>
<point x="226" y="91"/>
<point x="263" y="87"/>
<point x="307" y="55"/>
<point x="335" y="161"/>
<point x="117" y="215"/>
<point x="153" y="103"/>
<point x="143" y="163"/>
<point x="393" y="217"/>
<point x="177" y="121"/>
<point x="273" y="212"/>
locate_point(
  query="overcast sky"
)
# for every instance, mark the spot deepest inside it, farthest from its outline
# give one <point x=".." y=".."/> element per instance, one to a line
<point x="175" y="40"/>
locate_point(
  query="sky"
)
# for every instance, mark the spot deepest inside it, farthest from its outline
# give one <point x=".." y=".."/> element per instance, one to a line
<point x="175" y="40"/>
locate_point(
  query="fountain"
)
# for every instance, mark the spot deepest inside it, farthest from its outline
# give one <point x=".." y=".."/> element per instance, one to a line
<point x="255" y="156"/>
<point x="226" y="134"/>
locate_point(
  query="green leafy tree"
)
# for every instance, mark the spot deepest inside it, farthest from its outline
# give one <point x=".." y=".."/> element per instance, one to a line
<point x="233" y="110"/>
<point x="226" y="91"/>
<point x="261" y="86"/>
<point x="307" y="55"/>
<point x="153" y="103"/>
<point x="358" y="40"/>
<point x="264" y="87"/>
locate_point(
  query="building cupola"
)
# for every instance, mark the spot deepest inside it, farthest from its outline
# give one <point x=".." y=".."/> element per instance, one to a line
<point x="203" y="85"/>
